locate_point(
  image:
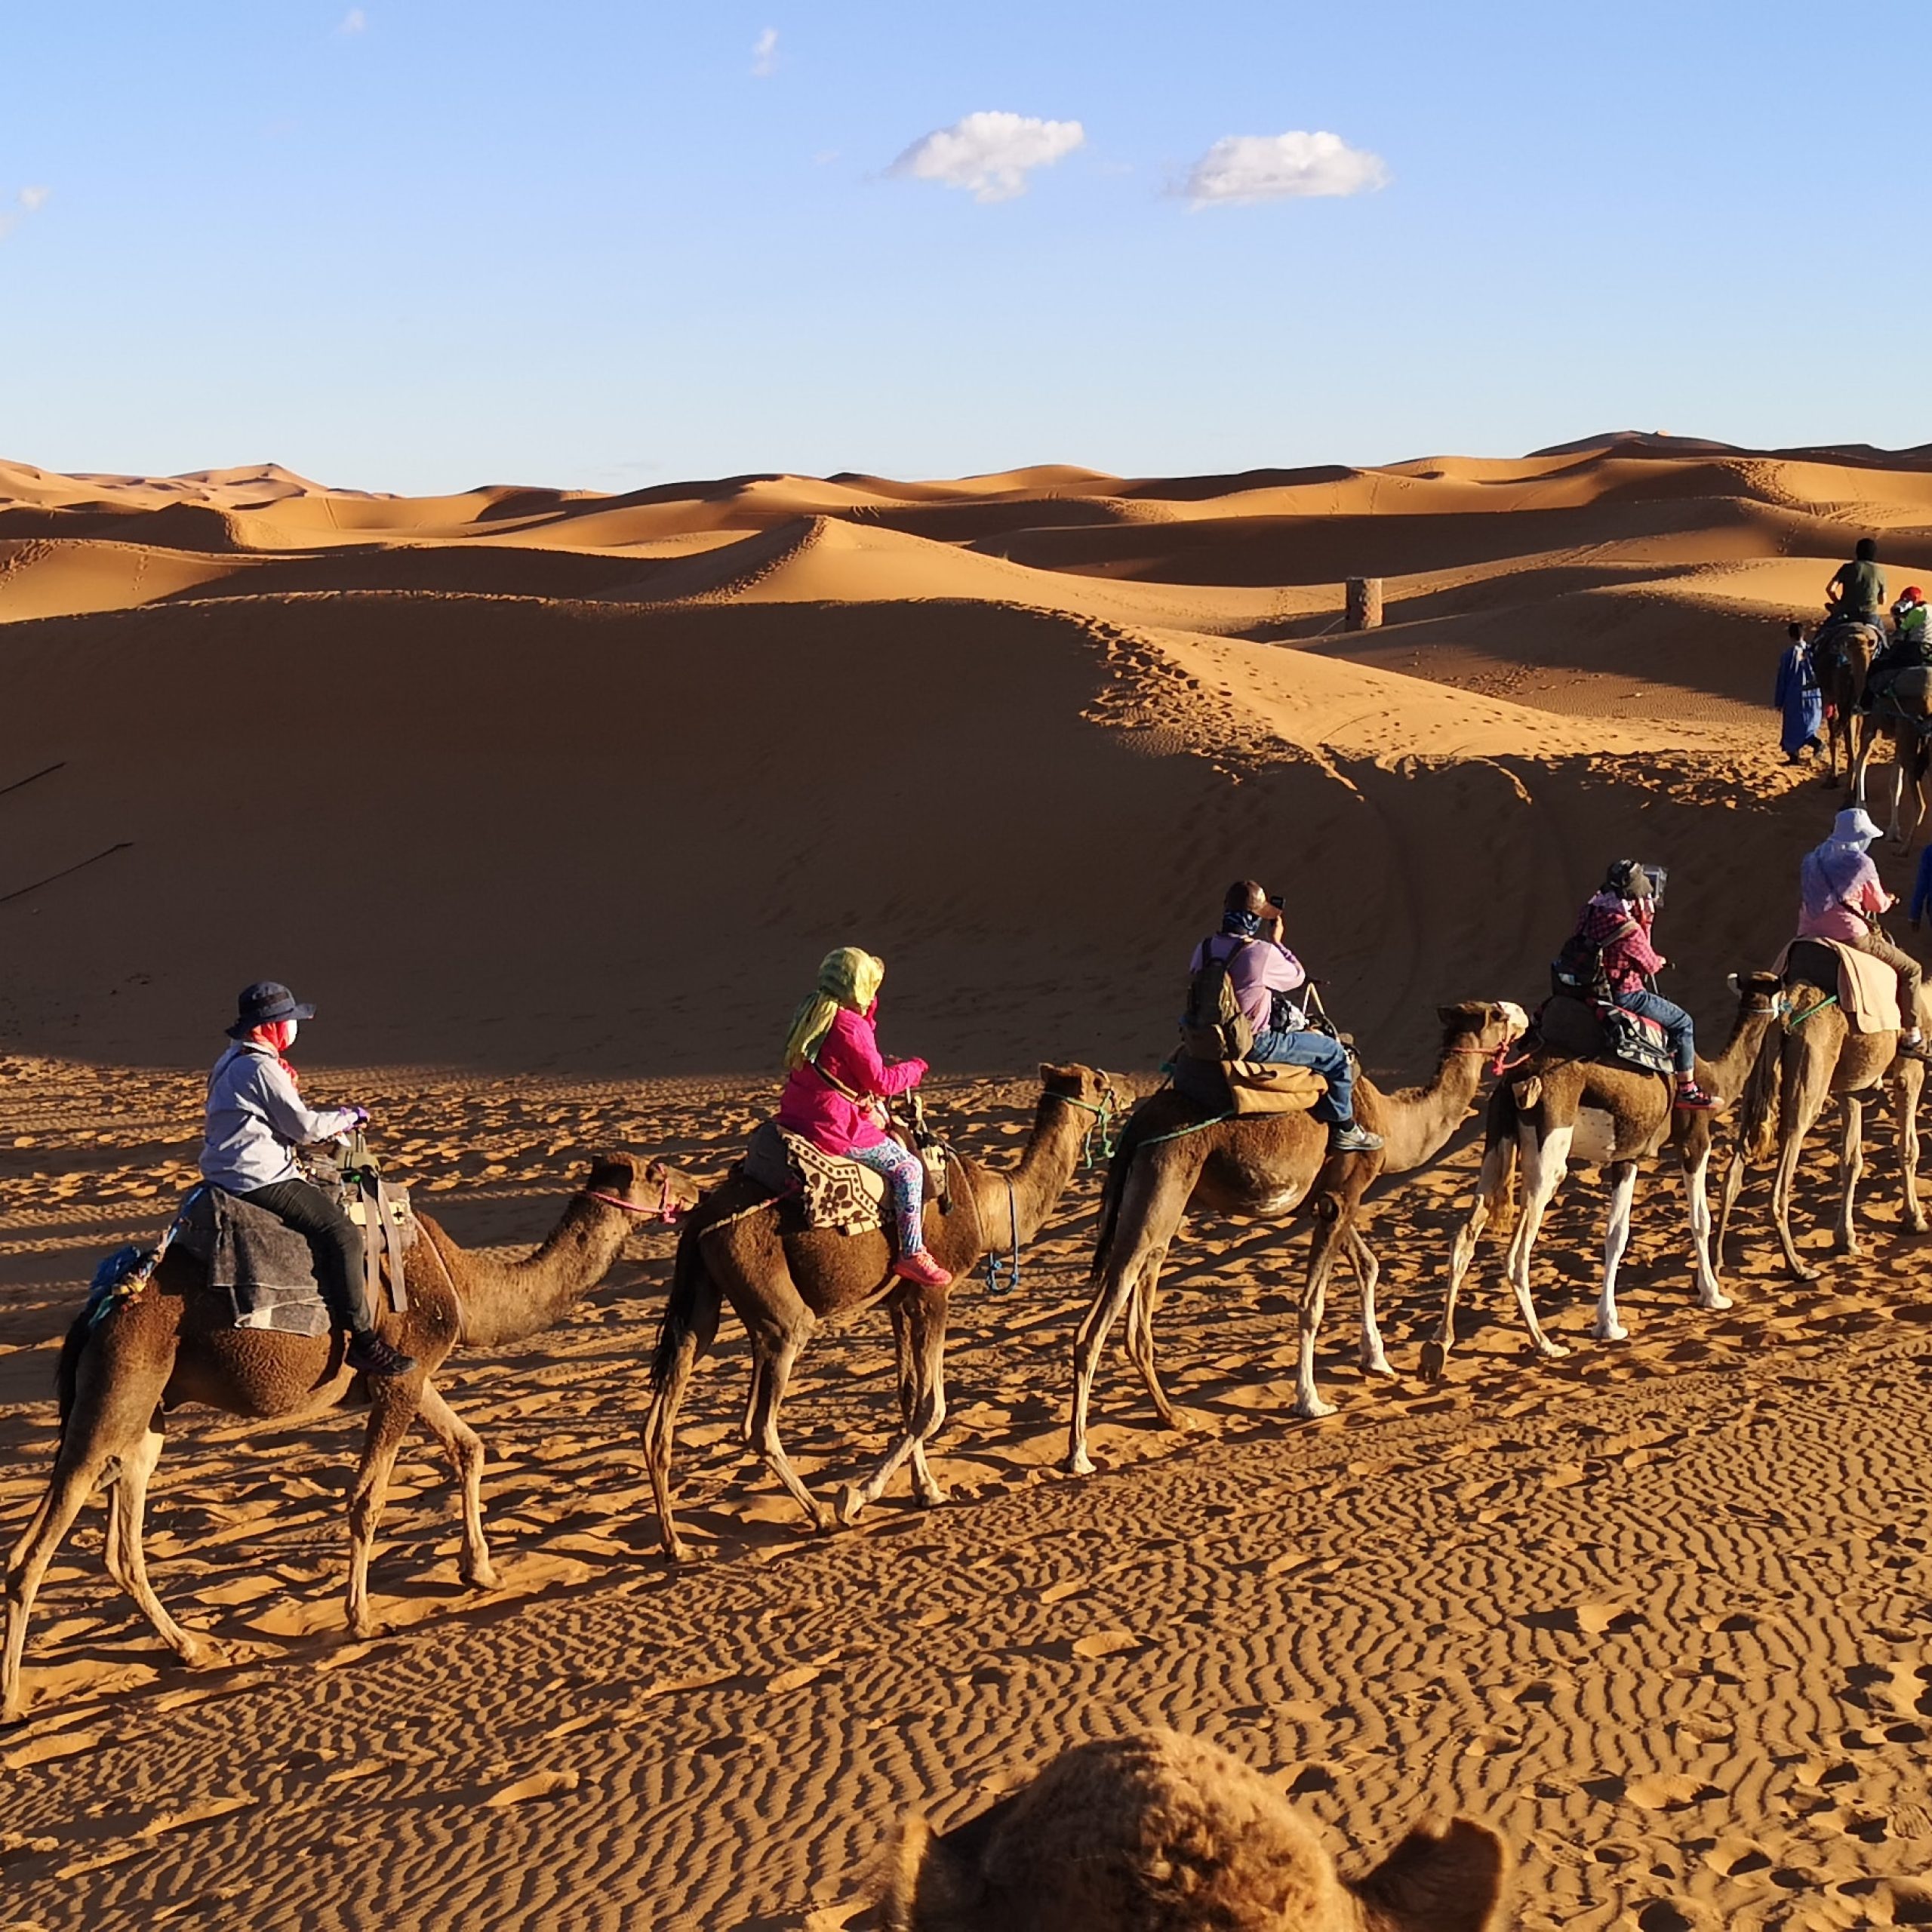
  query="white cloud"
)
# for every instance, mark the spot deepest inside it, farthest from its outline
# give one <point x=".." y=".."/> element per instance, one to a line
<point x="28" y="201"/>
<point x="991" y="154"/>
<point x="33" y="199"/>
<point x="1275" y="168"/>
<point x="764" y="53"/>
<point x="354" y="21"/>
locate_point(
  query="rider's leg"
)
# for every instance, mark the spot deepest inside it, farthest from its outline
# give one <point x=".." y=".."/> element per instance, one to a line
<point x="1880" y="945"/>
<point x="1325" y="1055"/>
<point x="906" y="1176"/>
<point x="1679" y="1030"/>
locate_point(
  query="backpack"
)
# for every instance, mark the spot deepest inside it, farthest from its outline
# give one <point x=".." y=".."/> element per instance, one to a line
<point x="1577" y="972"/>
<point x="1213" y="1026"/>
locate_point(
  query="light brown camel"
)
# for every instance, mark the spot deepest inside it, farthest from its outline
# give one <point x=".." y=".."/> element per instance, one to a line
<point x="172" y="1344"/>
<point x="785" y="1279"/>
<point x="1842" y="654"/>
<point x="1158" y="1832"/>
<point x="1558" y="1111"/>
<point x="1901" y="715"/>
<point x="1171" y="1161"/>
<point x="1815" y="1053"/>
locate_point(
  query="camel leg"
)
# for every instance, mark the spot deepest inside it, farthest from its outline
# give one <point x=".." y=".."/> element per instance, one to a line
<point x="1497" y="1160"/>
<point x="1802" y="1099"/>
<point x="126" y="1514"/>
<point x="1308" y="1404"/>
<point x="464" y="1448"/>
<point x="1544" y="1162"/>
<point x="390" y="1414"/>
<point x="1866" y="738"/>
<point x="1140" y="1339"/>
<point x="774" y="1350"/>
<point x="1697" y="1203"/>
<point x="919" y="1328"/>
<point x="1155" y="1197"/>
<point x="1733" y="1186"/>
<point x="1615" y="1239"/>
<point x="107" y="1421"/>
<point x="660" y="1427"/>
<point x="1912" y="1083"/>
<point x="1898" y="792"/>
<point x="1368" y="1272"/>
<point x="1851" y="1168"/>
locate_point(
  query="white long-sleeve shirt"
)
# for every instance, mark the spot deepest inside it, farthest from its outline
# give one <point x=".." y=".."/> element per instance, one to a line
<point x="257" y="1120"/>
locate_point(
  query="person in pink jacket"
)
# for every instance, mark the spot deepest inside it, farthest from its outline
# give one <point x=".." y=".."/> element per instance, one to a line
<point x="837" y="1078"/>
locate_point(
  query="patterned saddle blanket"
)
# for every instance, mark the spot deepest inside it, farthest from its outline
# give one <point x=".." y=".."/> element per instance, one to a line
<point x="833" y="1192"/>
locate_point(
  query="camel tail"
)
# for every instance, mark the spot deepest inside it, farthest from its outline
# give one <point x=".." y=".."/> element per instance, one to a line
<point x="1762" y="1101"/>
<point x="686" y="1284"/>
<point x="67" y="1370"/>
<point x="1111" y="1196"/>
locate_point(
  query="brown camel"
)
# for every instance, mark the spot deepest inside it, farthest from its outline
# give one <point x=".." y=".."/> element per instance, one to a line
<point x="1842" y="654"/>
<point x="1557" y="1110"/>
<point x="1170" y="1162"/>
<point x="171" y="1344"/>
<point x="1816" y="1054"/>
<point x="1158" y="1832"/>
<point x="784" y="1279"/>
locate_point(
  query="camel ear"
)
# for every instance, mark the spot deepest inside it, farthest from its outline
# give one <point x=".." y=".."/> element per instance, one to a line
<point x="1448" y="1879"/>
<point x="1049" y="1073"/>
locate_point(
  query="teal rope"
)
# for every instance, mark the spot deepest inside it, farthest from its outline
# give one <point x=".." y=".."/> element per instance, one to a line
<point x="1181" y="1133"/>
<point x="1830" y="999"/>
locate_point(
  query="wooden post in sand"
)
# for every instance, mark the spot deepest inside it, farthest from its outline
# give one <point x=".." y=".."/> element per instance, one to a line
<point x="1363" y="611"/>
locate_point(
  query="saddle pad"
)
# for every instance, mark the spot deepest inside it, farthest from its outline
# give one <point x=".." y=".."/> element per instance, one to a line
<point x="264" y="1268"/>
<point x="1868" y="989"/>
<point x="835" y="1192"/>
<point x="1246" y="1086"/>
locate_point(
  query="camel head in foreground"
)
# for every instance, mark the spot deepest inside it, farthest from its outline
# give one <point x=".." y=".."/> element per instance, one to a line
<point x="1158" y="1832"/>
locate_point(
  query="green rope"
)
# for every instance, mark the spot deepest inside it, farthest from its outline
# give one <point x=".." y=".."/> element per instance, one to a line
<point x="1792" y="1025"/>
<point x="1181" y="1133"/>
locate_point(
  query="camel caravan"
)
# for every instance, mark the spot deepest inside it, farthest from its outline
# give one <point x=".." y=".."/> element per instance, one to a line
<point x="297" y="1279"/>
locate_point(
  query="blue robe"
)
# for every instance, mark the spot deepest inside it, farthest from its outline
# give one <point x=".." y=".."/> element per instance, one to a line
<point x="1798" y="698"/>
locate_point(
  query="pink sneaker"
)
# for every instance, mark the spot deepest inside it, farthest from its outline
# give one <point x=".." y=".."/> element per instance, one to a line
<point x="921" y="1268"/>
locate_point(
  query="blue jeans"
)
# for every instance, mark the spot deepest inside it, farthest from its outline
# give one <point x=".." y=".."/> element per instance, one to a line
<point x="1674" y="1021"/>
<point x="1327" y="1056"/>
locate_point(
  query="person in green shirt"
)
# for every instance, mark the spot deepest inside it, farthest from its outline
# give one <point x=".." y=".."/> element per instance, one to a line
<point x="1857" y="595"/>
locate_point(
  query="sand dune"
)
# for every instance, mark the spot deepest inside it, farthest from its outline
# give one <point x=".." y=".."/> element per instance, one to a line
<point x="551" y="799"/>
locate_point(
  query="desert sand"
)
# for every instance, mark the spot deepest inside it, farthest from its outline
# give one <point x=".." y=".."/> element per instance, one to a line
<point x="559" y="799"/>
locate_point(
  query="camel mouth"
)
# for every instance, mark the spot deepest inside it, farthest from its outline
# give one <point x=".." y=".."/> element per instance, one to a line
<point x="1514" y="1018"/>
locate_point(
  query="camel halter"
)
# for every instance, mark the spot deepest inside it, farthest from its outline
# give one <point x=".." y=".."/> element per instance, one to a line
<point x="666" y="1210"/>
<point x="1003" y="1270"/>
<point x="1103" y="1123"/>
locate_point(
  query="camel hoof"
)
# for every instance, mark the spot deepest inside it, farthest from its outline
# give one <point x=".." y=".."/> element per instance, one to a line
<point x="1079" y="1463"/>
<point x="199" y="1652"/>
<point x="1610" y="1331"/>
<point x="482" y="1576"/>
<point x="851" y="1506"/>
<point x="1175" y="1420"/>
<point x="1716" y="1304"/>
<point x="1435" y="1361"/>
<point x="676" y="1550"/>
<point x="1376" y="1364"/>
<point x="1551" y="1351"/>
<point x="1310" y="1408"/>
<point x="937" y="1497"/>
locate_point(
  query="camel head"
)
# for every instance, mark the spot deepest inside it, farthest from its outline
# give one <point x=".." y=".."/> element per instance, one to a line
<point x="1483" y="1025"/>
<point x="1162" y="1829"/>
<point x="1757" y="993"/>
<point x="1092" y="1092"/>
<point x="649" y="1189"/>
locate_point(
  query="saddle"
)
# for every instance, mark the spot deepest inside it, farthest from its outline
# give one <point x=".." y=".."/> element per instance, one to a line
<point x="1867" y="989"/>
<point x="1905" y="690"/>
<point x="1602" y="1031"/>
<point x="833" y="1192"/>
<point x="262" y="1270"/>
<point x="1242" y="1087"/>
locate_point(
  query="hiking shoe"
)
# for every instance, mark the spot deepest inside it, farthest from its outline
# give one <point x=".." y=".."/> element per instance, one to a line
<point x="368" y="1354"/>
<point x="1352" y="1138"/>
<point x="920" y="1268"/>
<point x="1917" y="1049"/>
<point x="1693" y="1099"/>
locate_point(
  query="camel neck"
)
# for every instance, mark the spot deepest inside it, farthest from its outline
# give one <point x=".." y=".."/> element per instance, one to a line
<point x="1415" y="1123"/>
<point x="1725" y="1076"/>
<point x="1013" y="1206"/>
<point x="504" y="1301"/>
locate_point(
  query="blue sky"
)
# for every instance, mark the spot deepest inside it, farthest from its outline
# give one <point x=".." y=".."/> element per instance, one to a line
<point x="429" y="244"/>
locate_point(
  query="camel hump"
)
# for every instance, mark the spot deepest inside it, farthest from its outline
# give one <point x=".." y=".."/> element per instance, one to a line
<point x="1446" y="1880"/>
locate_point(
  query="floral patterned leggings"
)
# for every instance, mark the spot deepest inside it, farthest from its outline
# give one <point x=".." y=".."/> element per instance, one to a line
<point x="906" y="1175"/>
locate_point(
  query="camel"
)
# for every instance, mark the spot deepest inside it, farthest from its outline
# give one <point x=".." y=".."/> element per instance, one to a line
<point x="1816" y="1054"/>
<point x="1842" y="653"/>
<point x="784" y="1280"/>
<point x="1901" y="715"/>
<point x="1170" y="1162"/>
<point x="1559" y="1110"/>
<point x="170" y="1344"/>
<point x="1158" y="1832"/>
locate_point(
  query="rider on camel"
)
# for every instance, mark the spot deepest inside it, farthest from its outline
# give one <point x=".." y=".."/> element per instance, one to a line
<point x="1617" y="922"/>
<point x="256" y="1121"/>
<point x="1841" y="898"/>
<point x="1264" y="974"/>
<point x="837" y="1078"/>
<point x="1857" y="595"/>
<point x="1908" y="648"/>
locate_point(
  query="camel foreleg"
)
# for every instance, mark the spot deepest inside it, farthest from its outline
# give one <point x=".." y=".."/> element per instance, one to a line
<point x="393" y="1406"/>
<point x="464" y="1448"/>
<point x="1139" y="1337"/>
<point x="1374" y="1359"/>
<point x="1616" y="1240"/>
<point x="1851" y="1169"/>
<point x="918" y="1325"/>
<point x="775" y="1349"/>
<point x="1697" y="1205"/>
<point x="1499" y="1161"/>
<point x="1545" y="1160"/>
<point x="1912" y="1084"/>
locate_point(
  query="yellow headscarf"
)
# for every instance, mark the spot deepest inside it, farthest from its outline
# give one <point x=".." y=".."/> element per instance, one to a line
<point x="847" y="978"/>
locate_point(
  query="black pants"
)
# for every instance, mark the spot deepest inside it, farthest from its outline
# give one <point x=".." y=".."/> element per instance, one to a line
<point x="334" y="1240"/>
